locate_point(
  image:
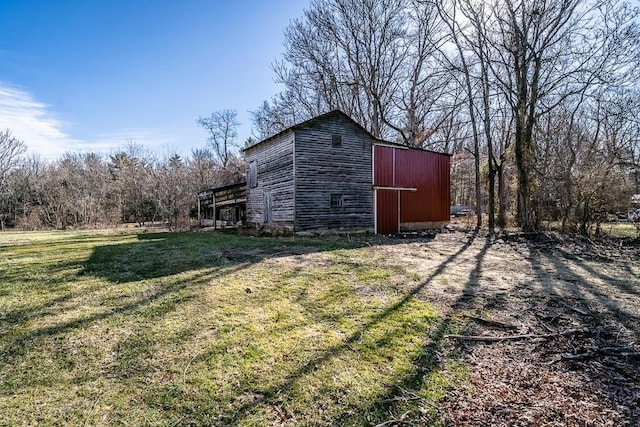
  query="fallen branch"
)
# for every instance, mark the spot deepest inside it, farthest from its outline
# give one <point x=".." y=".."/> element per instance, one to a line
<point x="575" y="357"/>
<point x="489" y="322"/>
<point x="481" y="338"/>
<point x="612" y="350"/>
<point x="547" y="327"/>
<point x="400" y="399"/>
<point x="586" y="356"/>
<point x="577" y="310"/>
<point x="400" y="420"/>
<point x="409" y="396"/>
<point x="560" y="300"/>
<point x="591" y="352"/>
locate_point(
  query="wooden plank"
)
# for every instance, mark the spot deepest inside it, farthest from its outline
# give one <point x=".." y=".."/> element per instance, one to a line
<point x="322" y="169"/>
<point x="375" y="187"/>
<point x="274" y="174"/>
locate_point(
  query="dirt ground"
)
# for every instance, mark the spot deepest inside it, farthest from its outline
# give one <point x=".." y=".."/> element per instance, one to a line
<point x="551" y="325"/>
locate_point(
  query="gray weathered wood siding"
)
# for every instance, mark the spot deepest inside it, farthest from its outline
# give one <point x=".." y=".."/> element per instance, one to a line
<point x="275" y="188"/>
<point x="322" y="170"/>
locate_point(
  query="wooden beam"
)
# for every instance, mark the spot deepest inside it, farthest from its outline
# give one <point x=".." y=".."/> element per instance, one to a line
<point x="199" y="218"/>
<point x="383" y="144"/>
<point x="376" y="187"/>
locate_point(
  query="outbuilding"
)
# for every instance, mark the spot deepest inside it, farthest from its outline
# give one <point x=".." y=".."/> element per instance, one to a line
<point x="329" y="173"/>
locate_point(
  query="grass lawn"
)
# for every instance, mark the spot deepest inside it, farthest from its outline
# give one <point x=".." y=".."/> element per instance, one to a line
<point x="622" y="229"/>
<point x="212" y="329"/>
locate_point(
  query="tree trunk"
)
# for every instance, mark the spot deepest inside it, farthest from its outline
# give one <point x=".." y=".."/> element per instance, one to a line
<point x="476" y="151"/>
<point x="492" y="200"/>
<point x="568" y="207"/>
<point x="584" y="220"/>
<point x="453" y="25"/>
<point x="522" y="167"/>
<point x="502" y="203"/>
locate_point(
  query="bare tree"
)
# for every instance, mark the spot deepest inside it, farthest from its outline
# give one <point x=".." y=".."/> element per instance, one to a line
<point x="132" y="178"/>
<point x="21" y="193"/>
<point x="174" y="191"/>
<point x="11" y="150"/>
<point x="345" y="54"/>
<point x="452" y="19"/>
<point x="521" y="61"/>
<point x="202" y="168"/>
<point x="222" y="127"/>
<point x="549" y="50"/>
<point x="427" y="95"/>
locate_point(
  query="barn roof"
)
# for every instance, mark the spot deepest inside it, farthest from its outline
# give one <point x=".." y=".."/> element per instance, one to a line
<point x="210" y="190"/>
<point x="346" y="116"/>
<point x="307" y="123"/>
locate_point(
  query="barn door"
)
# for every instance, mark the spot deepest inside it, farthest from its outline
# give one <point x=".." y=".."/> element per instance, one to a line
<point x="267" y="207"/>
<point x="387" y="211"/>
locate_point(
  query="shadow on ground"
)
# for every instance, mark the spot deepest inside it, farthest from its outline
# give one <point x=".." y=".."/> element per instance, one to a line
<point x="541" y="287"/>
<point x="426" y="362"/>
<point x="547" y="286"/>
<point x="157" y="255"/>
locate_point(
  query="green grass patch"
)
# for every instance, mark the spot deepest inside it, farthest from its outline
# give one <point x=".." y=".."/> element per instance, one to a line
<point x="622" y="229"/>
<point x="210" y="329"/>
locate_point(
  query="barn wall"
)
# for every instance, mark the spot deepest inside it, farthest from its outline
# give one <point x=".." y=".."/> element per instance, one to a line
<point x="384" y="166"/>
<point x="322" y="170"/>
<point x="429" y="173"/>
<point x="387" y="212"/>
<point x="426" y="171"/>
<point x="274" y="161"/>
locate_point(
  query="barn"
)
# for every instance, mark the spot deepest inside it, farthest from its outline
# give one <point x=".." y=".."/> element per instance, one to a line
<point x="329" y="173"/>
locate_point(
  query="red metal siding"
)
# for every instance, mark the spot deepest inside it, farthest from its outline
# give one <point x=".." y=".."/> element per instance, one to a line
<point x="429" y="173"/>
<point x="387" y="212"/>
<point x="383" y="170"/>
<point x="426" y="171"/>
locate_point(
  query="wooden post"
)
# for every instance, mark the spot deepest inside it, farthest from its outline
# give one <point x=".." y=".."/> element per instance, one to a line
<point x="199" y="218"/>
<point x="215" y="210"/>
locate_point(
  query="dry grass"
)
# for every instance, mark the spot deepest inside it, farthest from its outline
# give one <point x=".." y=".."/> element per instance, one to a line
<point x="541" y="285"/>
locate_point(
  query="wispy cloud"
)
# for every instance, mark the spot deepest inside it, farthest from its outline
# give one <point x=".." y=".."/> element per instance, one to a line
<point x="32" y="122"/>
<point x="35" y="123"/>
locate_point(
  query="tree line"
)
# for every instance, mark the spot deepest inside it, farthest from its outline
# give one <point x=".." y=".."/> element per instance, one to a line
<point x="538" y="101"/>
<point x="132" y="185"/>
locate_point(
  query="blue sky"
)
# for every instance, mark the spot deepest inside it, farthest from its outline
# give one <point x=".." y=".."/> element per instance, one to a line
<point x="89" y="75"/>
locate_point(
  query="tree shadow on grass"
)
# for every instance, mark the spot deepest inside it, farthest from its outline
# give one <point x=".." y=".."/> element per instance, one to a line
<point x="146" y="257"/>
<point x="622" y="285"/>
<point x="273" y="395"/>
<point x="158" y="255"/>
<point x="171" y="270"/>
<point x="18" y="344"/>
<point x="571" y="280"/>
<point x="140" y="276"/>
<point x="429" y="361"/>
